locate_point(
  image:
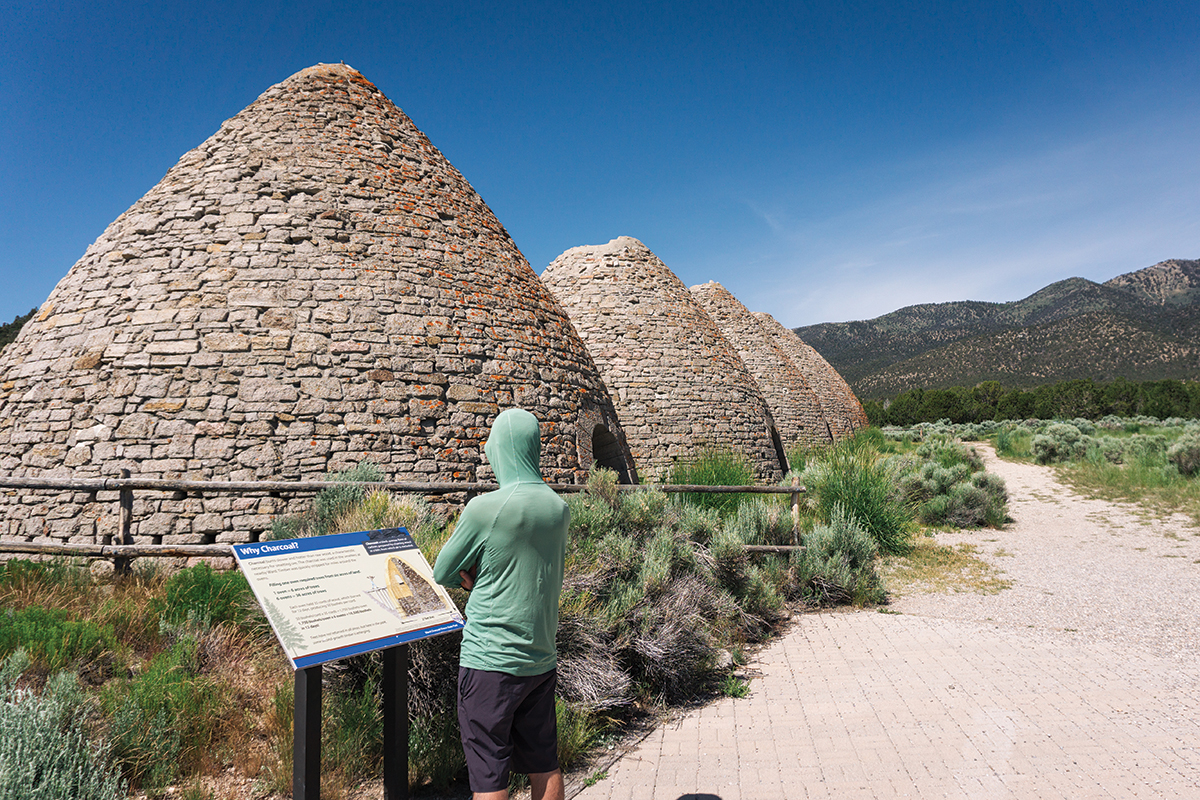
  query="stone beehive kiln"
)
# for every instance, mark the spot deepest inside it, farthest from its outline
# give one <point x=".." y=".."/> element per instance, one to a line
<point x="843" y="411"/>
<point x="794" y="406"/>
<point x="311" y="287"/>
<point x="677" y="383"/>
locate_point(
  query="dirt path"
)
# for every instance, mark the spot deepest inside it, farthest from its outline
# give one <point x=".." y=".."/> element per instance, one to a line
<point x="1082" y="570"/>
<point x="1080" y="680"/>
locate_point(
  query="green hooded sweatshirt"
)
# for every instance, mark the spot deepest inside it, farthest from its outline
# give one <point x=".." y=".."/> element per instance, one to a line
<point x="517" y="536"/>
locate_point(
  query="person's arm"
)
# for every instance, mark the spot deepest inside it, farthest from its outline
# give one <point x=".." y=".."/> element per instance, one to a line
<point x="458" y="562"/>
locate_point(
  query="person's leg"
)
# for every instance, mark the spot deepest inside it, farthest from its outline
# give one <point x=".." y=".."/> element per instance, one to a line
<point x="501" y="795"/>
<point x="543" y="786"/>
<point x="535" y="740"/>
<point x="486" y="701"/>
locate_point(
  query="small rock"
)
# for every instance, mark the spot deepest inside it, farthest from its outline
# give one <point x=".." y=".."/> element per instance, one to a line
<point x="103" y="571"/>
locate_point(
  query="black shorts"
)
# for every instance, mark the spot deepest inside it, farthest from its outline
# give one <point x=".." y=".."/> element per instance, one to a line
<point x="508" y="725"/>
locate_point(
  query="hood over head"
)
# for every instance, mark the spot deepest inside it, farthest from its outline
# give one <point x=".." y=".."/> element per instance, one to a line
<point x="514" y="447"/>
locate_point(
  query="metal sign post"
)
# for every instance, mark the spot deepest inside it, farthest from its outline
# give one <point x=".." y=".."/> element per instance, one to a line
<point x="306" y="735"/>
<point x="395" y="723"/>
<point x="306" y="730"/>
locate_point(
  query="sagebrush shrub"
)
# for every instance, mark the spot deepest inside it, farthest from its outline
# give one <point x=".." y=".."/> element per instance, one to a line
<point x="643" y="510"/>
<point x="45" y="753"/>
<point x="838" y="563"/>
<point x="1060" y="441"/>
<point x="948" y="452"/>
<point x="762" y="522"/>
<point x="698" y="524"/>
<point x="1185" y="455"/>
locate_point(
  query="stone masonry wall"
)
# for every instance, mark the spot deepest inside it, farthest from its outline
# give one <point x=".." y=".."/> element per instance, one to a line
<point x="795" y="408"/>
<point x="311" y="287"/>
<point x="677" y="383"/>
<point x="843" y="411"/>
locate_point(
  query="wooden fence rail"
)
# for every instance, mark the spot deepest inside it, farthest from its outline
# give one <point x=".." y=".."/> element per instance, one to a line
<point x="126" y="485"/>
<point x="312" y="487"/>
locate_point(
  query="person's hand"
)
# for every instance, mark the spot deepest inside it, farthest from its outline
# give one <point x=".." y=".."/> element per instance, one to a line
<point x="468" y="577"/>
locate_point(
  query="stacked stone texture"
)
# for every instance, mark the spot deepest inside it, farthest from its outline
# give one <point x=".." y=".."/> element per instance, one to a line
<point x="312" y="287"/>
<point x="843" y="411"/>
<point x="678" y="385"/>
<point x="794" y="406"/>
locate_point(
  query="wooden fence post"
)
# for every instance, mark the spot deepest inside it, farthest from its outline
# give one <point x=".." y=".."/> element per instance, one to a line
<point x="124" y="536"/>
<point x="796" y="510"/>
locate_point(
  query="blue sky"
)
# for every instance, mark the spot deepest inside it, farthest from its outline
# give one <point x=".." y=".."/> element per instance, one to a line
<point x="824" y="161"/>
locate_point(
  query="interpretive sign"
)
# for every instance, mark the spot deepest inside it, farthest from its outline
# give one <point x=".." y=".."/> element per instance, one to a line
<point x="328" y="597"/>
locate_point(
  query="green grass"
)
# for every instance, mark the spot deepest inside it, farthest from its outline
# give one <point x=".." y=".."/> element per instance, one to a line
<point x="201" y="593"/>
<point x="578" y="731"/>
<point x="733" y="686"/>
<point x="852" y="476"/>
<point x="714" y="467"/>
<point x="53" y="640"/>
<point x="1014" y="444"/>
<point x="163" y="719"/>
<point x="1155" y="486"/>
<point x="352" y="732"/>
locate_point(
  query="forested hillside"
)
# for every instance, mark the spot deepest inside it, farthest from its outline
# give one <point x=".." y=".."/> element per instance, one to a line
<point x="1143" y="325"/>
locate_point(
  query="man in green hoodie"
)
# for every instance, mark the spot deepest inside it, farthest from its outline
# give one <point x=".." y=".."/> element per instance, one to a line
<point x="508" y="549"/>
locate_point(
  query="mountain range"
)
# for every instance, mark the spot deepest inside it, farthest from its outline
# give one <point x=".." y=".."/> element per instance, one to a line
<point x="1142" y="325"/>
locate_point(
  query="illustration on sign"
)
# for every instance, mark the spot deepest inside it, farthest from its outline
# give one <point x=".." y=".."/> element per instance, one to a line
<point x="328" y="597"/>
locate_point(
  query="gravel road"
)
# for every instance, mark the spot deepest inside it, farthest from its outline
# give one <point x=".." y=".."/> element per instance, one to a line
<point x="1086" y="570"/>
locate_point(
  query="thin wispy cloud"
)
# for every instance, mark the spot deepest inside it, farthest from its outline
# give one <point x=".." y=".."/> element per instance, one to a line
<point x="968" y="226"/>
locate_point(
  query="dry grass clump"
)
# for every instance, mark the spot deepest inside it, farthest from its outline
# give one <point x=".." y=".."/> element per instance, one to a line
<point x="660" y="595"/>
<point x="379" y="510"/>
<point x="933" y="567"/>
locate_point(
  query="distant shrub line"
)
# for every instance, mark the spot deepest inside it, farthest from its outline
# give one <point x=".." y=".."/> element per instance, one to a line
<point x="1076" y="399"/>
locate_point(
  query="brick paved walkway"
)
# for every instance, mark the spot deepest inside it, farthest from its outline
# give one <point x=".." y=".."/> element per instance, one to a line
<point x="872" y="705"/>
